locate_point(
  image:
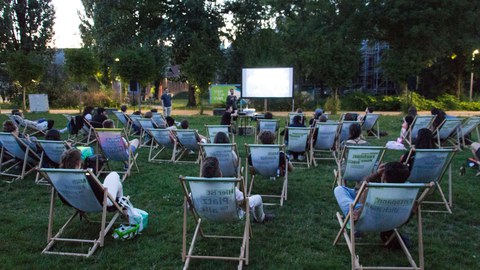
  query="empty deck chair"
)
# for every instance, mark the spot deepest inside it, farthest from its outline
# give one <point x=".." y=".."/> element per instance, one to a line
<point x="16" y="158"/>
<point x="86" y="195"/>
<point x="420" y="121"/>
<point x="449" y="132"/>
<point x="162" y="140"/>
<point x="356" y="162"/>
<point x="188" y="139"/>
<point x="213" y="201"/>
<point x="467" y="128"/>
<point x="371" y="125"/>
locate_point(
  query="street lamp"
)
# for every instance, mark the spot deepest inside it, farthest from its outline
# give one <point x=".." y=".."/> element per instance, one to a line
<point x="471" y="73"/>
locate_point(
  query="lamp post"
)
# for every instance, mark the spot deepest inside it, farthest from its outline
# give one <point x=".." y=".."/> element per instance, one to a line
<point x="471" y="73"/>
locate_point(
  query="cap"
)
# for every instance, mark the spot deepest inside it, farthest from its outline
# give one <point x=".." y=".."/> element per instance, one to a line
<point x="318" y="112"/>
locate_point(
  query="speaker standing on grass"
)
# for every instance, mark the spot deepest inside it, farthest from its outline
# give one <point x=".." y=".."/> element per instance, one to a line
<point x="166" y="102"/>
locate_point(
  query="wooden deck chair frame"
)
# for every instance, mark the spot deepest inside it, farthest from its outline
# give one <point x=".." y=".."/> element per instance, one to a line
<point x="88" y="132"/>
<point x="448" y="132"/>
<point x="225" y="154"/>
<point x="134" y="122"/>
<point x="123" y="118"/>
<point x="159" y="120"/>
<point x="24" y="127"/>
<point x="344" y="133"/>
<point x="20" y="155"/>
<point x="84" y="201"/>
<point x="433" y="165"/>
<point x="327" y="135"/>
<point x="299" y="141"/>
<point x="118" y="151"/>
<point x="161" y="140"/>
<point x="470" y="125"/>
<point x="365" y="159"/>
<point x="51" y="151"/>
<point x="222" y="189"/>
<point x="403" y="198"/>
<point x="291" y="115"/>
<point x="145" y="123"/>
<point x="272" y="125"/>
<point x="419" y="122"/>
<point x="187" y="139"/>
<point x="212" y="130"/>
<point x="371" y="122"/>
<point x="268" y="168"/>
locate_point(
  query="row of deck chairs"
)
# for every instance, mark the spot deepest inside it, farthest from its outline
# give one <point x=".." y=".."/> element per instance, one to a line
<point x="389" y="206"/>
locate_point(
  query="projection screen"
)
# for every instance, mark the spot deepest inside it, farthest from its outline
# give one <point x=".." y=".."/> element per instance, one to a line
<point x="267" y="82"/>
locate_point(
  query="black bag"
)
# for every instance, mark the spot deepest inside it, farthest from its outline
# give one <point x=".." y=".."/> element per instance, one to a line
<point x="91" y="162"/>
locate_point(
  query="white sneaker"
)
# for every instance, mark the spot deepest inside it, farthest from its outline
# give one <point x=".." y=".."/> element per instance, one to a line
<point x="191" y="152"/>
<point x="290" y="157"/>
<point x="301" y="157"/>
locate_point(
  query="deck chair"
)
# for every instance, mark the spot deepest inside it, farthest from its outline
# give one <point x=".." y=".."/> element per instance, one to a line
<point x="88" y="132"/>
<point x="162" y="139"/>
<point x="356" y="162"/>
<point x="292" y="115"/>
<point x="371" y="125"/>
<point x="298" y="141"/>
<point x="50" y="157"/>
<point x="468" y="127"/>
<point x="271" y="125"/>
<point x="265" y="160"/>
<point x="212" y="130"/>
<point x="122" y="118"/>
<point x="344" y="133"/>
<point x="430" y="165"/>
<point x="449" y="132"/>
<point x="342" y="117"/>
<point x="134" y="122"/>
<point x="188" y="144"/>
<point x="213" y="201"/>
<point x="16" y="154"/>
<point x="420" y="121"/>
<point x="113" y="146"/>
<point x="227" y="155"/>
<point x="86" y="195"/>
<point x="145" y="123"/>
<point x="159" y="120"/>
<point x="387" y="207"/>
<point x="324" y="147"/>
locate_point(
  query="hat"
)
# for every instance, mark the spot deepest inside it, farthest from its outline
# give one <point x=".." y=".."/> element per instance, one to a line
<point x="475" y="146"/>
<point x="318" y="112"/>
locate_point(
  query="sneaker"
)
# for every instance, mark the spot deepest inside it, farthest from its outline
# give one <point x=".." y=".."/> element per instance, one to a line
<point x="191" y="152"/>
<point x="301" y="157"/>
<point x="267" y="218"/>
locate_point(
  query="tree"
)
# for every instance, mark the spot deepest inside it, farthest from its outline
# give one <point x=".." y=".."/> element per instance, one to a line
<point x="80" y="65"/>
<point x="27" y="69"/>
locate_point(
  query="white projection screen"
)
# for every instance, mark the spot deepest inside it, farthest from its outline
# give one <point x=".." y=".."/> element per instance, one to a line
<point x="267" y="82"/>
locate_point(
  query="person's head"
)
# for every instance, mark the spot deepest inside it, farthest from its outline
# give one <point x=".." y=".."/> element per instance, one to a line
<point x="318" y="112"/>
<point x="221" y="137"/>
<point x="268" y="115"/>
<point x="299" y="110"/>
<point x="166" y="90"/>
<point x="297" y="120"/>
<point x="87" y="110"/>
<point x="434" y="111"/>
<point x="395" y="172"/>
<point x="231" y="91"/>
<point x="323" y="118"/>
<point x="267" y="137"/>
<point x="137" y="113"/>
<point x="211" y="168"/>
<point x="354" y="131"/>
<point x="17" y="112"/>
<point x="407" y="121"/>
<point x="123" y="108"/>
<point x="53" y="135"/>
<point x="108" y="124"/>
<point x="184" y="124"/>
<point x="71" y="159"/>
<point x="349" y="117"/>
<point x="154" y="110"/>
<point x="10" y="127"/>
<point x="412" y="111"/>
<point x="148" y="115"/>
<point x="369" y="110"/>
<point x="170" y="121"/>
<point x="101" y="111"/>
<point x="424" y="139"/>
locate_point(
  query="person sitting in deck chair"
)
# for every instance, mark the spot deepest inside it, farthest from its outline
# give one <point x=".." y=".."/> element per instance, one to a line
<point x="391" y="172"/>
<point x="72" y="159"/>
<point x="41" y="124"/>
<point x="185" y="125"/>
<point x="211" y="169"/>
<point x="133" y="143"/>
<point x="10" y="127"/>
<point x="355" y="136"/>
<point x="297" y="121"/>
<point x="267" y="137"/>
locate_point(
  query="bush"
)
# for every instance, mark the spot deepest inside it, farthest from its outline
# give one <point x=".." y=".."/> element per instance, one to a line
<point x="332" y="105"/>
<point x="358" y="101"/>
<point x="99" y="99"/>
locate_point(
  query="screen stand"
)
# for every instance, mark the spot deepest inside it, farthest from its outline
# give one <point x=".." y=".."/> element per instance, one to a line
<point x="265" y="105"/>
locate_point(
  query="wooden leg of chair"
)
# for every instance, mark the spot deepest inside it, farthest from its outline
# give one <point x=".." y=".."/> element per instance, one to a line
<point x="420" y="238"/>
<point x="50" y="216"/>
<point x="184" y="236"/>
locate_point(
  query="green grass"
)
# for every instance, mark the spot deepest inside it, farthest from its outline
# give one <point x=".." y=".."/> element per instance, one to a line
<point x="300" y="237"/>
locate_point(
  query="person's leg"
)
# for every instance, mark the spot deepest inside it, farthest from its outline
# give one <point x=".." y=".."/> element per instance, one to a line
<point x="114" y="186"/>
<point x="169" y="109"/>
<point x="134" y="144"/>
<point x="256" y="207"/>
<point x="345" y="197"/>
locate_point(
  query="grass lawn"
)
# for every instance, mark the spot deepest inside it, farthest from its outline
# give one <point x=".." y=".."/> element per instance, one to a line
<point x="300" y="236"/>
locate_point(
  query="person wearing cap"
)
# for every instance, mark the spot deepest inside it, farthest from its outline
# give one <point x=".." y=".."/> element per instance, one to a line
<point x="316" y="115"/>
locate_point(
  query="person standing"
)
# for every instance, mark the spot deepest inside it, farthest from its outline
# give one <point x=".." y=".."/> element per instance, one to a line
<point x="166" y="102"/>
<point x="232" y="100"/>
